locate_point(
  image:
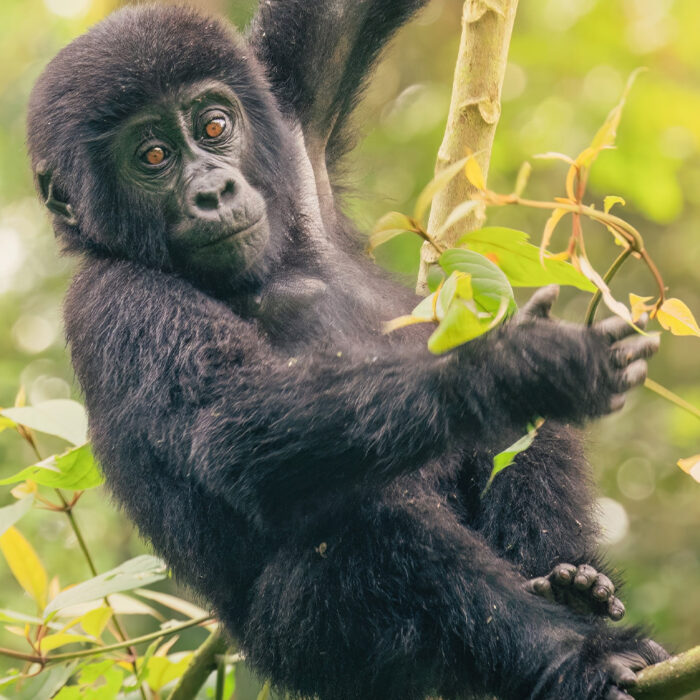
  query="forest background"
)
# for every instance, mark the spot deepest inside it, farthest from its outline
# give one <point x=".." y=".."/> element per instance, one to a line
<point x="569" y="61"/>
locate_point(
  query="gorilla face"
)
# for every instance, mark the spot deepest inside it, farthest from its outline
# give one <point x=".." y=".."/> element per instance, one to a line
<point x="184" y="152"/>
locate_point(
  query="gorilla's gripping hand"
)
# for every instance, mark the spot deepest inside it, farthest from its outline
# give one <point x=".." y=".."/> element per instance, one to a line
<point x="562" y="370"/>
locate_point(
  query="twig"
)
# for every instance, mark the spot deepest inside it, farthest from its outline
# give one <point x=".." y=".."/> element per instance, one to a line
<point x="203" y="663"/>
<point x="670" y="679"/>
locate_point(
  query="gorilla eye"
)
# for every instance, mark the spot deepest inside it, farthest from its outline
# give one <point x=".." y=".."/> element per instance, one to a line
<point x="214" y="127"/>
<point x="154" y="155"/>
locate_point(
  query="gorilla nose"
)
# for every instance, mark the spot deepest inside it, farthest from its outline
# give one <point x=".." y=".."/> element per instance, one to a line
<point x="212" y="195"/>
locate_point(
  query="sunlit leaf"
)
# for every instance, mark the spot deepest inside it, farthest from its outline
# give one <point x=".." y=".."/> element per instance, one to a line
<point x="676" y="317"/>
<point x="520" y="260"/>
<point x="95" y="621"/>
<point x="402" y="322"/>
<point x="639" y="306"/>
<point x="522" y="179"/>
<point x="135" y="573"/>
<point x="553" y="155"/>
<point x="60" y="417"/>
<point x="389" y="226"/>
<point x="474" y="174"/>
<point x="691" y="466"/>
<point x="607" y="133"/>
<point x="460" y="325"/>
<point x="161" y="670"/>
<point x="53" y="641"/>
<point x="439" y="182"/>
<point x="9" y="515"/>
<point x="490" y="286"/>
<point x="554" y="219"/>
<point x="617" y="307"/>
<point x="75" y="469"/>
<point x="611" y="200"/>
<point x="173" y="602"/>
<point x="504" y="459"/>
<point x="6" y="423"/>
<point x="446" y="295"/>
<point x="120" y="604"/>
<point x="25" y="565"/>
<point x="461" y="211"/>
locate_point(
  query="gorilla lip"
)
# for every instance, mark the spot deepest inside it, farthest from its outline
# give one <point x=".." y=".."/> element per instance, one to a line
<point x="230" y="234"/>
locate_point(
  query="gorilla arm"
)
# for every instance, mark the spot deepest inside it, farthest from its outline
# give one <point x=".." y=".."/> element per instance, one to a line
<point x="211" y="397"/>
<point x="320" y="52"/>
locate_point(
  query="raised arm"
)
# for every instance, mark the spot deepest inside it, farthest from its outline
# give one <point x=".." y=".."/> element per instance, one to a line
<point x="318" y="53"/>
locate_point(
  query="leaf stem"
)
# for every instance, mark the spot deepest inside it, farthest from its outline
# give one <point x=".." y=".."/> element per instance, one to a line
<point x="673" y="398"/>
<point x="612" y="271"/>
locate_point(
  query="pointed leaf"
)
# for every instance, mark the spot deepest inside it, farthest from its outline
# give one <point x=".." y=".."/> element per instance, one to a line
<point x="459" y="326"/>
<point x="474" y="174"/>
<point x="75" y="469"/>
<point x="438" y="183"/>
<point x="617" y="307"/>
<point x="389" y="226"/>
<point x="402" y="322"/>
<point x="520" y="260"/>
<point x="522" y="179"/>
<point x="676" y="317"/>
<point x="61" y="417"/>
<point x="691" y="466"/>
<point x="490" y="286"/>
<point x="506" y="458"/>
<point x="9" y="515"/>
<point x="135" y="573"/>
<point x="553" y="155"/>
<point x="25" y="565"/>
<point x="611" y="200"/>
<point x="173" y="602"/>
<point x="95" y="621"/>
<point x="639" y="306"/>
<point x="53" y="641"/>
<point x="461" y="211"/>
<point x="554" y="219"/>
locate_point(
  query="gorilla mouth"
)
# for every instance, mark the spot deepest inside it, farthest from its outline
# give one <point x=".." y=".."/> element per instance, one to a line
<point x="230" y="234"/>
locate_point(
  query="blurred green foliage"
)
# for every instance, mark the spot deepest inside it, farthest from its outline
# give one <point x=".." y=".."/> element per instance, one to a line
<point x="569" y="60"/>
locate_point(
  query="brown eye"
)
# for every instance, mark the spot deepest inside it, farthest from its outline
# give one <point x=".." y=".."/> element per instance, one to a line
<point x="155" y="155"/>
<point x="215" y="127"/>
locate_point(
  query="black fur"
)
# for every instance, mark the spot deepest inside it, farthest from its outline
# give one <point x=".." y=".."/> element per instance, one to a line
<point x="317" y="482"/>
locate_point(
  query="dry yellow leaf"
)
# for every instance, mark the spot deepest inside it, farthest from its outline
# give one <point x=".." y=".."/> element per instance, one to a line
<point x="691" y="466"/>
<point x="25" y="565"/>
<point x="675" y="316"/>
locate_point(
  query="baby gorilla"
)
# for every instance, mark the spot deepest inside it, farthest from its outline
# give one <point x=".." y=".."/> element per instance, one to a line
<point x="317" y="482"/>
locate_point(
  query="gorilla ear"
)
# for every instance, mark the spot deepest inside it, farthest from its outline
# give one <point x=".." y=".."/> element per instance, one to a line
<point x="53" y="200"/>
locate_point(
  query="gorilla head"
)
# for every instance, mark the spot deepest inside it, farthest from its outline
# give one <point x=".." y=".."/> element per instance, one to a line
<point x="154" y="138"/>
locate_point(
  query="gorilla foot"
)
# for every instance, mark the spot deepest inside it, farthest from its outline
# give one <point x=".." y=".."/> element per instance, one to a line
<point x="582" y="588"/>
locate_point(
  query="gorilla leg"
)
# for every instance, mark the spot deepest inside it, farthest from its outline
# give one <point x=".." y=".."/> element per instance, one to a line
<point x="405" y="602"/>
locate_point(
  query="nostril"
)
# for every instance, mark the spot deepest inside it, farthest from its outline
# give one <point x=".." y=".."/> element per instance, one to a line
<point x="206" y="201"/>
<point x="228" y="191"/>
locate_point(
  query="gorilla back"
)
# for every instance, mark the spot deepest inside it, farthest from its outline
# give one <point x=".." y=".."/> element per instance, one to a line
<point x="317" y="482"/>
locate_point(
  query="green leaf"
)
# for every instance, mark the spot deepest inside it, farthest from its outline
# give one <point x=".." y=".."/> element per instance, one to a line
<point x="520" y="260"/>
<point x="426" y="309"/>
<point x="44" y="685"/>
<point x="439" y="182"/>
<point x="164" y="669"/>
<point x="9" y="515"/>
<point x="490" y="286"/>
<point x="504" y="459"/>
<point x="75" y="469"/>
<point x="459" y="326"/>
<point x="61" y="417"/>
<point x="6" y="423"/>
<point x="389" y="226"/>
<point x="135" y="573"/>
<point x="25" y="565"/>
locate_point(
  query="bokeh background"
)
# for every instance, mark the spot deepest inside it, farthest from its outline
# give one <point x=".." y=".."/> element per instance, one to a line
<point x="568" y="63"/>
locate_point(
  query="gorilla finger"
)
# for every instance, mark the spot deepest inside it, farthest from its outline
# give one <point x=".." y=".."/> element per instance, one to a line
<point x="616" y="609"/>
<point x="585" y="576"/>
<point x="614" y="328"/>
<point x="543" y="588"/>
<point x="617" y="403"/>
<point x="633" y="376"/>
<point x="620" y="672"/>
<point x="603" y="588"/>
<point x="654" y="652"/>
<point x="541" y="302"/>
<point x="625" y="352"/>
<point x="563" y="574"/>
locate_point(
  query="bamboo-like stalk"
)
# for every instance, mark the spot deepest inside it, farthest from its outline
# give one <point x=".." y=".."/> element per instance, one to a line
<point x="474" y="112"/>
